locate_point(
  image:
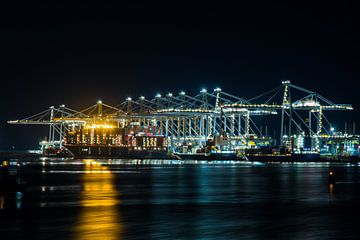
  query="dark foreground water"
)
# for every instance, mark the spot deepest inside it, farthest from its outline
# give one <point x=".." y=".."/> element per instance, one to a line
<point x="169" y="200"/>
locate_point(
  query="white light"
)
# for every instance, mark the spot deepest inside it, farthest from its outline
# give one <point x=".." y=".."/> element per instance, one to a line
<point x="332" y="129"/>
<point x="128" y="99"/>
<point x="170" y="95"/>
<point x="99" y="102"/>
<point x="203" y="90"/>
<point x="217" y="89"/>
<point x="182" y="93"/>
<point x="158" y="95"/>
<point x="286" y="82"/>
<point x="142" y="98"/>
<point x="62" y="105"/>
<point x="51" y="107"/>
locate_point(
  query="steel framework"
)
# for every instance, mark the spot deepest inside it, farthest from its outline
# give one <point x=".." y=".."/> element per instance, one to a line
<point x="196" y="119"/>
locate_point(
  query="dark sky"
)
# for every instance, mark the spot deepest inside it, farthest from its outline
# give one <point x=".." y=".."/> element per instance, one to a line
<point x="56" y="52"/>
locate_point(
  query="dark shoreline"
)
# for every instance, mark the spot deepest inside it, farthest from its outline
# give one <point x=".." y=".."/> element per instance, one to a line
<point x="354" y="159"/>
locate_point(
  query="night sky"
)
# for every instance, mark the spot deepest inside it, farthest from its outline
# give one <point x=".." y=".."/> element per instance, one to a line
<point x="59" y="52"/>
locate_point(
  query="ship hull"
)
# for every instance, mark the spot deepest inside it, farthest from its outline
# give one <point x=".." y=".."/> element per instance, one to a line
<point x="209" y="157"/>
<point x="285" y="158"/>
<point x="81" y="151"/>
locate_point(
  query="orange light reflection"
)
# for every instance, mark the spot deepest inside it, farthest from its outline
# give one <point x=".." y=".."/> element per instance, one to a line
<point x="99" y="217"/>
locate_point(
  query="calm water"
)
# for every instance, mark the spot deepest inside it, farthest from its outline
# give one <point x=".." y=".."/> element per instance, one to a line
<point x="169" y="200"/>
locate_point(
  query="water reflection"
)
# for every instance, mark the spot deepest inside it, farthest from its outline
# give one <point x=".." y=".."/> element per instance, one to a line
<point x="99" y="217"/>
<point x="2" y="202"/>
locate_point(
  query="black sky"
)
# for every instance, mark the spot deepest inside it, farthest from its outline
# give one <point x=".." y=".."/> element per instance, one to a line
<point x="56" y="52"/>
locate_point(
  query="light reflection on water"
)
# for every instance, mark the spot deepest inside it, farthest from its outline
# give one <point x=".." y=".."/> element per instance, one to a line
<point x="154" y="199"/>
<point x="99" y="217"/>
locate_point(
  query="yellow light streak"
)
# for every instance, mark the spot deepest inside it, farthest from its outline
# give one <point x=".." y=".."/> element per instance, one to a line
<point x="99" y="217"/>
<point x="94" y="125"/>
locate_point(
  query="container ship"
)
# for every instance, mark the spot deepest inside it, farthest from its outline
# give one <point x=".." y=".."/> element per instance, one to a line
<point x="113" y="141"/>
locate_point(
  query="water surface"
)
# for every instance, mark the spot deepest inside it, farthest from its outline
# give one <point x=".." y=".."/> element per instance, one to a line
<point x="124" y="199"/>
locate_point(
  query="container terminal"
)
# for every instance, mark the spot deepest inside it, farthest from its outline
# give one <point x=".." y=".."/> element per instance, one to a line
<point x="210" y="125"/>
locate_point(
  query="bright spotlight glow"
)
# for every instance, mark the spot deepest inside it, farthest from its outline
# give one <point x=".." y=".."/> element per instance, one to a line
<point x="95" y="125"/>
<point x="286" y="82"/>
<point x="332" y="129"/>
<point x="182" y="93"/>
<point x="169" y="94"/>
<point x="142" y="98"/>
<point x="217" y="89"/>
<point x="99" y="102"/>
<point x="203" y="90"/>
<point x="158" y="95"/>
<point x="128" y="99"/>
